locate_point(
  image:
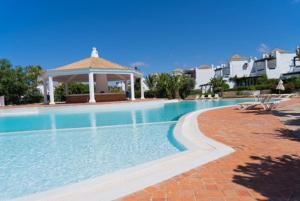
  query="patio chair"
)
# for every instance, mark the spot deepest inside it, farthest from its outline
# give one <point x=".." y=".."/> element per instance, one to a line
<point x="253" y="105"/>
<point x="270" y="105"/>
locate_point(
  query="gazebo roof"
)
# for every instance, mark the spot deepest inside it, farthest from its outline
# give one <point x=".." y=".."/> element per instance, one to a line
<point x="94" y="62"/>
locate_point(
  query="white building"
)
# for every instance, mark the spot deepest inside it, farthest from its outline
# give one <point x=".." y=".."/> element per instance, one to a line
<point x="295" y="68"/>
<point x="240" y="66"/>
<point x="203" y="74"/>
<point x="273" y="65"/>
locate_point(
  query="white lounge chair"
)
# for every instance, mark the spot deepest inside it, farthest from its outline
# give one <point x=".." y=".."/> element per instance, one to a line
<point x="251" y="105"/>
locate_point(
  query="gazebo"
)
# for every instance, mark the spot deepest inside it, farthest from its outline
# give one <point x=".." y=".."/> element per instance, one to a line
<point x="97" y="72"/>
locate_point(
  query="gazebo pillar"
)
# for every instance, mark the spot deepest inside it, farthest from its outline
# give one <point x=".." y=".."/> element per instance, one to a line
<point x="132" y="86"/>
<point x="91" y="88"/>
<point x="51" y="90"/>
<point x="45" y="91"/>
<point x="142" y="88"/>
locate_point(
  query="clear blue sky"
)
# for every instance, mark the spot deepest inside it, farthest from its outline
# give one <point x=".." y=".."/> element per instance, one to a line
<point x="162" y="34"/>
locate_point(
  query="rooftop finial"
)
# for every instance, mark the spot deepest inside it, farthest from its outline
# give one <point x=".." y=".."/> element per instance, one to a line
<point x="94" y="52"/>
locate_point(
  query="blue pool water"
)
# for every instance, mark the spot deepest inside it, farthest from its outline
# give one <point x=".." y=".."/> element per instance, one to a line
<point x="60" y="146"/>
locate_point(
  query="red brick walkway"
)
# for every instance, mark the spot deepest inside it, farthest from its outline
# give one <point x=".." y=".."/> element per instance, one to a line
<point x="265" y="166"/>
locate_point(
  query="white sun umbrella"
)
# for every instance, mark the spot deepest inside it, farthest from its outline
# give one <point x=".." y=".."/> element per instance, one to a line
<point x="280" y="86"/>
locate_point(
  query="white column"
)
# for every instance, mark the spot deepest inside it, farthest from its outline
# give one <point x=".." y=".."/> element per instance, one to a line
<point x="132" y="86"/>
<point x="51" y="90"/>
<point x="45" y="91"/>
<point x="142" y="88"/>
<point x="91" y="88"/>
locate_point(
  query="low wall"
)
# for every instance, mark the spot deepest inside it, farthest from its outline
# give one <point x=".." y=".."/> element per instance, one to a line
<point x="240" y="94"/>
<point x="103" y="97"/>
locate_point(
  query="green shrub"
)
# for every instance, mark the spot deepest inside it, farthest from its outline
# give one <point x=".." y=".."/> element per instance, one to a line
<point x="196" y="92"/>
<point x="289" y="87"/>
<point x="150" y="94"/>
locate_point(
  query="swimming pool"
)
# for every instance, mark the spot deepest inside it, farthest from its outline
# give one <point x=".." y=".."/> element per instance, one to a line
<point x="45" y="148"/>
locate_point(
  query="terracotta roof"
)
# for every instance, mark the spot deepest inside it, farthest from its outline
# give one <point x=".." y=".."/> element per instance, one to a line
<point x="279" y="50"/>
<point x="205" y="66"/>
<point x="92" y="62"/>
<point x="238" y="57"/>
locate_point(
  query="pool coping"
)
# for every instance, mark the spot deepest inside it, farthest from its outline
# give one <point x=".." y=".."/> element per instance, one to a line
<point x="201" y="150"/>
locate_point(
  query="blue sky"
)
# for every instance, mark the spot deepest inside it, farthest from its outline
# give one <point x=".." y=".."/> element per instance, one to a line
<point x="160" y="34"/>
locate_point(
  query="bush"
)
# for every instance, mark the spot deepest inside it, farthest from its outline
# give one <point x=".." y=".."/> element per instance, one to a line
<point x="196" y="92"/>
<point x="19" y="84"/>
<point x="289" y="87"/>
<point x="150" y="94"/>
<point x="73" y="88"/>
<point x="243" y="88"/>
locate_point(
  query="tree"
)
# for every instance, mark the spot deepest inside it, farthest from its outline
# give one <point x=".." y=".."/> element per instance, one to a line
<point x="173" y="86"/>
<point x="12" y="82"/>
<point x="32" y="79"/>
<point x="187" y="84"/>
<point x="151" y="81"/>
<point x="218" y="85"/>
<point x="162" y="86"/>
<point x="19" y="84"/>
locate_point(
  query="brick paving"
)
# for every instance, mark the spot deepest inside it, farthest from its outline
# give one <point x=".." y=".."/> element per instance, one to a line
<point x="265" y="166"/>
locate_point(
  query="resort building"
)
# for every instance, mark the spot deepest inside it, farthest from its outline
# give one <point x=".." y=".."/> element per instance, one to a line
<point x="295" y="68"/>
<point x="240" y="66"/>
<point x="274" y="64"/>
<point x="244" y="71"/>
<point x="203" y="76"/>
<point x="97" y="72"/>
<point x="188" y="72"/>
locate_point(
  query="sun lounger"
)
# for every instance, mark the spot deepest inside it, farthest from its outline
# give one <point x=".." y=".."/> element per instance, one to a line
<point x="261" y="102"/>
<point x="269" y="105"/>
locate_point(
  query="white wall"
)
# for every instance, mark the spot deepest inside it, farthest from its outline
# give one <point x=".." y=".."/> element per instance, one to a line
<point x="238" y="69"/>
<point x="284" y="62"/>
<point x="203" y="76"/>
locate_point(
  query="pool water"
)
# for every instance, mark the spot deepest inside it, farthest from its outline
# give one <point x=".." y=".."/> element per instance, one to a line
<point x="57" y="146"/>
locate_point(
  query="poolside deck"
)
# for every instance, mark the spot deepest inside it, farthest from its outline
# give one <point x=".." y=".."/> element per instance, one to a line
<point x="265" y="166"/>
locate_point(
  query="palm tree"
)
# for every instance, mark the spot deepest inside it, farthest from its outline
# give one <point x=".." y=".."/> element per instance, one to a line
<point x="218" y="84"/>
<point x="151" y="81"/>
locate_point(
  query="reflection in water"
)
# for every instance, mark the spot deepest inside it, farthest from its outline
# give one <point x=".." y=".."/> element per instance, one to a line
<point x="133" y="118"/>
<point x="53" y="127"/>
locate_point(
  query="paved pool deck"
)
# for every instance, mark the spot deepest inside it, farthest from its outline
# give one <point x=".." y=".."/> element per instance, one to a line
<point x="265" y="165"/>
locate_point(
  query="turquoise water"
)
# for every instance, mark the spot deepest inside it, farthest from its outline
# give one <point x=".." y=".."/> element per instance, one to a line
<point x="58" y="147"/>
